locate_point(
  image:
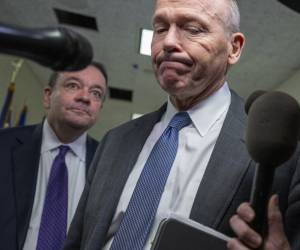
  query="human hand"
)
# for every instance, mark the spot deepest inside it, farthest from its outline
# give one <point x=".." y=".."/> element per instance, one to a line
<point x="248" y="239"/>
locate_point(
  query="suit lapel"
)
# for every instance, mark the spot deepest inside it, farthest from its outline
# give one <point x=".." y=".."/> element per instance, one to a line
<point x="225" y="170"/>
<point x="130" y="147"/>
<point x="26" y="162"/>
<point x="116" y="165"/>
<point x="91" y="146"/>
<point x="139" y="134"/>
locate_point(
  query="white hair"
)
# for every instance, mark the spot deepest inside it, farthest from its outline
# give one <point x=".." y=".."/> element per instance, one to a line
<point x="232" y="19"/>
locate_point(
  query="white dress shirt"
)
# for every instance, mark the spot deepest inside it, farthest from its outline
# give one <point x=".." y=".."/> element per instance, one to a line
<point x="196" y="143"/>
<point x="75" y="161"/>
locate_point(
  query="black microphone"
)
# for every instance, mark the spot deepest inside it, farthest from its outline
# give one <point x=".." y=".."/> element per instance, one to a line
<point x="271" y="139"/>
<point x="60" y="49"/>
<point x="251" y="98"/>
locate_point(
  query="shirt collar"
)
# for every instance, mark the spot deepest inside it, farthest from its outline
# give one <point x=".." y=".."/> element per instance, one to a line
<point x="51" y="142"/>
<point x="206" y="113"/>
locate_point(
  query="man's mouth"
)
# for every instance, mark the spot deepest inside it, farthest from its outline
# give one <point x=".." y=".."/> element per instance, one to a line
<point x="174" y="63"/>
<point x="180" y="66"/>
<point x="173" y="60"/>
<point x="80" y="110"/>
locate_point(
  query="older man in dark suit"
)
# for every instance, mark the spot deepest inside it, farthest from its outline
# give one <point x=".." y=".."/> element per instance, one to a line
<point x="187" y="158"/>
<point x="43" y="167"/>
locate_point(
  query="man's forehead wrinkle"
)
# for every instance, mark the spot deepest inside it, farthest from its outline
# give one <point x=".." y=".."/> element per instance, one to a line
<point x="213" y="13"/>
<point x="205" y="8"/>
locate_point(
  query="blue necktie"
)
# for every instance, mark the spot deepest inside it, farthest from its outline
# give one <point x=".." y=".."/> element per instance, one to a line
<point x="53" y="227"/>
<point x="139" y="216"/>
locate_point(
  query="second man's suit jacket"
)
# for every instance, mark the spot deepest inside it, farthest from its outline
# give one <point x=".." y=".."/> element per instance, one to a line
<point x="19" y="160"/>
<point x="225" y="185"/>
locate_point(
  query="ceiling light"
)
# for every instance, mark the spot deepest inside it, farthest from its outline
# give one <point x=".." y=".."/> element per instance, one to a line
<point x="145" y="45"/>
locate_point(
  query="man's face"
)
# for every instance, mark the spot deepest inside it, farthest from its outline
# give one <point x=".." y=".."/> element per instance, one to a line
<point x="76" y="99"/>
<point x="191" y="50"/>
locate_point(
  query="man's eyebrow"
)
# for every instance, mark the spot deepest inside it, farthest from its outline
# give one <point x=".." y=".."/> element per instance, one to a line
<point x="97" y="86"/>
<point x="183" y="19"/>
<point x="157" y="19"/>
<point x="72" y="78"/>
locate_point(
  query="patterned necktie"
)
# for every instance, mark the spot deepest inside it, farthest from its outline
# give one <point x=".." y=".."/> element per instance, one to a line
<point x="53" y="225"/>
<point x="139" y="216"/>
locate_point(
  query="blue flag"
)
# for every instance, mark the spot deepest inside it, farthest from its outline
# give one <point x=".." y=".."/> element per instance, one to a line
<point x="22" y="117"/>
<point x="5" y="113"/>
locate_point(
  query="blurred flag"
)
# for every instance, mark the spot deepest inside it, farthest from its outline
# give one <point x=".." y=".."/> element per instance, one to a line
<point x="22" y="117"/>
<point x="6" y="112"/>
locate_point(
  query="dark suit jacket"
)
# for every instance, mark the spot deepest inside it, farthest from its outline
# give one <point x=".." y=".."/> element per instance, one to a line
<point x="19" y="157"/>
<point x="226" y="183"/>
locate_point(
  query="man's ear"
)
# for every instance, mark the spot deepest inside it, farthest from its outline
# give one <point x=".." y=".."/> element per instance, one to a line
<point x="47" y="97"/>
<point x="236" y="46"/>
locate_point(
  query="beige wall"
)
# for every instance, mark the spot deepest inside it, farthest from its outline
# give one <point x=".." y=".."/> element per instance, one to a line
<point x="292" y="86"/>
<point x="28" y="90"/>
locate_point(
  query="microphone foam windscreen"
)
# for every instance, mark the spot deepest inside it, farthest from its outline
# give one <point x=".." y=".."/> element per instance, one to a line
<point x="273" y="128"/>
<point x="77" y="51"/>
<point x="252" y="98"/>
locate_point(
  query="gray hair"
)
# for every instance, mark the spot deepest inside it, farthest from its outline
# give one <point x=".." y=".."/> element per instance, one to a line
<point x="232" y="19"/>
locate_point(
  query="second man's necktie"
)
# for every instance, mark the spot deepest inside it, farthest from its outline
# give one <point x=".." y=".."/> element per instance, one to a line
<point x="53" y="227"/>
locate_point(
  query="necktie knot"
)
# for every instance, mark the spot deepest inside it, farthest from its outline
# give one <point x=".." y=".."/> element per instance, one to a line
<point x="180" y="120"/>
<point x="63" y="149"/>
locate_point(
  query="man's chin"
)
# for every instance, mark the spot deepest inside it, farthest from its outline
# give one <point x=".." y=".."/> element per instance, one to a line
<point x="172" y="86"/>
<point x="79" y="124"/>
<point x="169" y="78"/>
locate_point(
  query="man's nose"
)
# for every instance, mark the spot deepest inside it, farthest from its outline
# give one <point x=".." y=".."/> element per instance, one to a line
<point x="83" y="95"/>
<point x="172" y="40"/>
